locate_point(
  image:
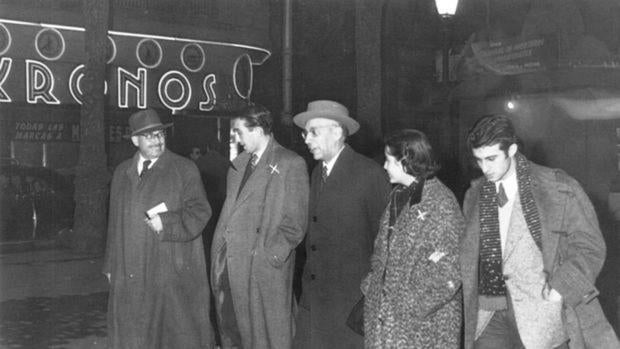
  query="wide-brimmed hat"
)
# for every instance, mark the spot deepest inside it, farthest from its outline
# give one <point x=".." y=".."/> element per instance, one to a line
<point x="328" y="110"/>
<point x="145" y="121"/>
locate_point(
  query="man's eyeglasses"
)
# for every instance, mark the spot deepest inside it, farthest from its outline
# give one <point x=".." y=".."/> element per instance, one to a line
<point x="152" y="135"/>
<point x="312" y="131"/>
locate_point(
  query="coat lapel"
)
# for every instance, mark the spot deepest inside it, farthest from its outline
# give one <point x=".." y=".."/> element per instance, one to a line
<point x="470" y="245"/>
<point x="132" y="170"/>
<point x="236" y="172"/>
<point x="550" y="204"/>
<point x="512" y="240"/>
<point x="260" y="174"/>
<point x="338" y="172"/>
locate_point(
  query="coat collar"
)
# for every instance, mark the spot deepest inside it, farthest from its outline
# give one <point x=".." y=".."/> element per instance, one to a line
<point x="161" y="163"/>
<point x="550" y="201"/>
<point x="342" y="163"/>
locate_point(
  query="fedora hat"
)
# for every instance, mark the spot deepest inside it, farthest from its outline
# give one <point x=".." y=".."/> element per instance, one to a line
<point x="145" y="121"/>
<point x="328" y="110"/>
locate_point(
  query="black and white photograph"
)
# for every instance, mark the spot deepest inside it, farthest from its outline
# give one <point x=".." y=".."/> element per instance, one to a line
<point x="309" y="174"/>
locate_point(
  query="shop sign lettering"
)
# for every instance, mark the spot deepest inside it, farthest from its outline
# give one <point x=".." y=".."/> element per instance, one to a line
<point x="173" y="89"/>
<point x="39" y="131"/>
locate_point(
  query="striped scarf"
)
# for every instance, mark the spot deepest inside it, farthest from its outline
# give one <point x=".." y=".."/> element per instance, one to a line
<point x="491" y="281"/>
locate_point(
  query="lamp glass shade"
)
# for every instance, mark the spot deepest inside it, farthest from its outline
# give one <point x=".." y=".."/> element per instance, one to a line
<point x="446" y="8"/>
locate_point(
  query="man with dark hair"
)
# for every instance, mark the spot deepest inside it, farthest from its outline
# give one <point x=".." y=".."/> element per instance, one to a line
<point x="531" y="253"/>
<point x="154" y="260"/>
<point x="253" y="251"/>
<point x="347" y="197"/>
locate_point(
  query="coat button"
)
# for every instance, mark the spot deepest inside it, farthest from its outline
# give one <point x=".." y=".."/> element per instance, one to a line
<point x="506" y="277"/>
<point x="314" y="218"/>
<point x="313" y="247"/>
<point x="131" y="276"/>
<point x="312" y="276"/>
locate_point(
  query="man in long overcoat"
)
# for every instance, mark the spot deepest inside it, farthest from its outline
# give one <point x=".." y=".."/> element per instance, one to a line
<point x="531" y="253"/>
<point x="154" y="260"/>
<point x="347" y="196"/>
<point x="253" y="251"/>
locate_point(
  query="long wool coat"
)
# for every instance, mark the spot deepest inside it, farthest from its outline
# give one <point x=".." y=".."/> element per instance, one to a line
<point x="159" y="292"/>
<point x="413" y="290"/>
<point x="344" y="220"/>
<point x="573" y="252"/>
<point x="259" y="230"/>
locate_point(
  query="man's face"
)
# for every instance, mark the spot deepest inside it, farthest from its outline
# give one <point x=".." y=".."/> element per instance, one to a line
<point x="151" y="145"/>
<point x="194" y="154"/>
<point x="322" y="138"/>
<point x="494" y="162"/>
<point x="248" y="137"/>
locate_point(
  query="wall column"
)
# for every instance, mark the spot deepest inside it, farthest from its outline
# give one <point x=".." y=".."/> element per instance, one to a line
<point x="368" y="18"/>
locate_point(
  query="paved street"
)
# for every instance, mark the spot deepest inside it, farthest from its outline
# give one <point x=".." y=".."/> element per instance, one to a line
<point x="57" y="299"/>
<point x="52" y="299"/>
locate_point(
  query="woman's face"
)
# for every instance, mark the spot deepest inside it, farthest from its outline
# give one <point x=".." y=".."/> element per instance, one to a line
<point x="395" y="170"/>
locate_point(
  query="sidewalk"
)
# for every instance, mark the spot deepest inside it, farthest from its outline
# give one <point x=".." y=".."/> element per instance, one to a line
<point x="52" y="299"/>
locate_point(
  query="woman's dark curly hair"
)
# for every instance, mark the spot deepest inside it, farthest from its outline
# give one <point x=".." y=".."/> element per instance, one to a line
<point x="414" y="150"/>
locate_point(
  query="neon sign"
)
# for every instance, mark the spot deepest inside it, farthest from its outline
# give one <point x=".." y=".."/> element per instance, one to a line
<point x="174" y="88"/>
<point x="43" y="64"/>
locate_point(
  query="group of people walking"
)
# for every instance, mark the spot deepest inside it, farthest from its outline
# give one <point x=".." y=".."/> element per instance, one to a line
<point x="387" y="266"/>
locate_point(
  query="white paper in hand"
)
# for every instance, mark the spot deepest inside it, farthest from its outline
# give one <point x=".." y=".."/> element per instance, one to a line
<point x="157" y="210"/>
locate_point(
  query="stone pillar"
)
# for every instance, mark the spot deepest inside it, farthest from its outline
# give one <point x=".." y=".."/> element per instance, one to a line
<point x="368" y="18"/>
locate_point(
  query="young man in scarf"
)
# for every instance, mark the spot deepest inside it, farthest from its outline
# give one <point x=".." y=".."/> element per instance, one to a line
<point x="531" y="253"/>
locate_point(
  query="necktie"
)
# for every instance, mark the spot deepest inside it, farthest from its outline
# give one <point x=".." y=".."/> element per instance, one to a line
<point x="502" y="199"/>
<point x="324" y="173"/>
<point x="253" y="162"/>
<point x="145" y="167"/>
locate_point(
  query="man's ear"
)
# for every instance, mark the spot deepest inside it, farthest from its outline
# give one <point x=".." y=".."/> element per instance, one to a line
<point x="134" y="139"/>
<point x="512" y="149"/>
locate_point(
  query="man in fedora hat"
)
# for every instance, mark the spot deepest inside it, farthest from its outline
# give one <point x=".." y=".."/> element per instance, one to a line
<point x="348" y="194"/>
<point x="154" y="260"/>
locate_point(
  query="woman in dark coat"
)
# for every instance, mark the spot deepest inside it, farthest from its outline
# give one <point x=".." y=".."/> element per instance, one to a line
<point x="412" y="292"/>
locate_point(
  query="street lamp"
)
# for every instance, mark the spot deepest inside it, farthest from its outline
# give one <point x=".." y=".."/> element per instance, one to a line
<point x="446" y="9"/>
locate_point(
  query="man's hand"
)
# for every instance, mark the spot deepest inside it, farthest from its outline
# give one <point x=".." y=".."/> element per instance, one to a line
<point x="155" y="224"/>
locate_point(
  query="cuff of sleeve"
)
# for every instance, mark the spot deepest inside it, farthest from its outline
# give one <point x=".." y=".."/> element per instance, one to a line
<point x="574" y="287"/>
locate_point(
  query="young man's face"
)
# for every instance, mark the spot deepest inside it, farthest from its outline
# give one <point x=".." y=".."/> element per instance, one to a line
<point x="494" y="162"/>
<point x="248" y="136"/>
